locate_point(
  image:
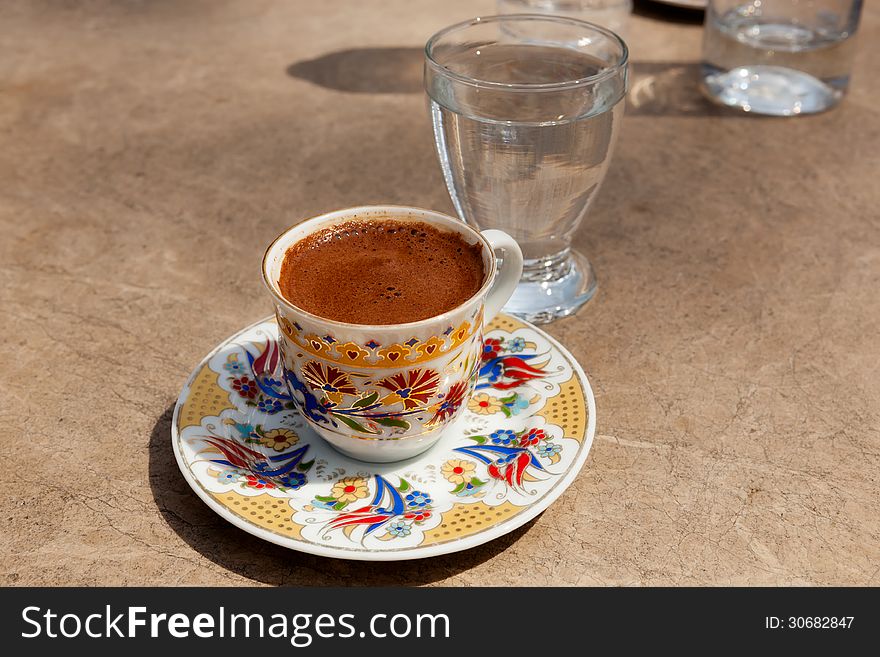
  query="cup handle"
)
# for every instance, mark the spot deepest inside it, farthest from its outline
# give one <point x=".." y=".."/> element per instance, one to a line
<point x="508" y="275"/>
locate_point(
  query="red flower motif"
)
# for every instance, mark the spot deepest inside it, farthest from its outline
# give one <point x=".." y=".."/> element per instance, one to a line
<point x="256" y="482"/>
<point x="333" y="382"/>
<point x="450" y="404"/>
<point x="267" y="361"/>
<point x="418" y="516"/>
<point x="510" y="468"/>
<point x="532" y="437"/>
<point x="246" y="387"/>
<point x="414" y="388"/>
<point x="491" y="348"/>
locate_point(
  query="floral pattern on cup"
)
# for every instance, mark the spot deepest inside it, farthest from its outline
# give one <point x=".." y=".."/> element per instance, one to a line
<point x="343" y="398"/>
<point x="346" y="398"/>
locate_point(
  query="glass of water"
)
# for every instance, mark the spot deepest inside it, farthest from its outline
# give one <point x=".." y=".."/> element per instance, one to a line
<point x="526" y="109"/>
<point x="779" y="57"/>
<point x="613" y="14"/>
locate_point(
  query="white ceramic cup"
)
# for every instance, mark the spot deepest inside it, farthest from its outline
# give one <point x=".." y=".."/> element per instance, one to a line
<point x="385" y="393"/>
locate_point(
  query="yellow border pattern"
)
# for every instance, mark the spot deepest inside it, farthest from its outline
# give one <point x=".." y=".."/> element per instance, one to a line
<point x="353" y="354"/>
<point x="272" y="513"/>
<point x="568" y="409"/>
<point x="465" y="519"/>
<point x="205" y="398"/>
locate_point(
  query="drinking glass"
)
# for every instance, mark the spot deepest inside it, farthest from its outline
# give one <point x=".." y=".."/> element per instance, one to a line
<point x="779" y="57"/>
<point x="526" y="109"/>
<point x="613" y="14"/>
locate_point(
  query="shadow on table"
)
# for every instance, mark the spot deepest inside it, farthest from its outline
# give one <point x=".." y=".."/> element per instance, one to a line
<point x="251" y="557"/>
<point x="364" y="70"/>
<point x="656" y="89"/>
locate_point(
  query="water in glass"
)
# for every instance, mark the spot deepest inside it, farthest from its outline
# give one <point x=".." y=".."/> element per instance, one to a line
<point x="527" y="163"/>
<point x="779" y="57"/>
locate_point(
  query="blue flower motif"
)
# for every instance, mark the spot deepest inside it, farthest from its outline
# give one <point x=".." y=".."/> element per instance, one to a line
<point x="320" y="504"/>
<point x="491" y="371"/>
<point x="547" y="450"/>
<point x="417" y="499"/>
<point x="517" y="405"/>
<point x="516" y="345"/>
<point x="228" y="476"/>
<point x="468" y="490"/>
<point x="504" y="437"/>
<point x="272" y="383"/>
<point x="399" y="529"/>
<point x="270" y="406"/>
<point x="309" y="406"/>
<point x="246" y="430"/>
<point x="294" y="480"/>
<point x="235" y="367"/>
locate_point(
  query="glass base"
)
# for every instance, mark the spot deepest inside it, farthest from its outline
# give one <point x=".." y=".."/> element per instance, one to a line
<point x="770" y="90"/>
<point x="552" y="287"/>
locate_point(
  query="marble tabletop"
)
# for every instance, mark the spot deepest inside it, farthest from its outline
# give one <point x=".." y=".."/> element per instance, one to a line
<point x="151" y="150"/>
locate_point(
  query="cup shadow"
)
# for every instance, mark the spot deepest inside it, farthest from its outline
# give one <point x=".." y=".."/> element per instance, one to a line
<point x="250" y="557"/>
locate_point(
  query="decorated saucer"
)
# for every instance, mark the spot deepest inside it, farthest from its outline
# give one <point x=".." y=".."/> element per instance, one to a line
<point x="521" y="442"/>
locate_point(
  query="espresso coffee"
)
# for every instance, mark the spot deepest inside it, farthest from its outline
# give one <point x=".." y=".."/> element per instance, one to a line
<point x="381" y="271"/>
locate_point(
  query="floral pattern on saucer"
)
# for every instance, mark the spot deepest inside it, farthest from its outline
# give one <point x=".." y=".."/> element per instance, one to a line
<point x="249" y="455"/>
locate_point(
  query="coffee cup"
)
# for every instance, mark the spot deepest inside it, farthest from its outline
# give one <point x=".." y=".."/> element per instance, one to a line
<point x="386" y="392"/>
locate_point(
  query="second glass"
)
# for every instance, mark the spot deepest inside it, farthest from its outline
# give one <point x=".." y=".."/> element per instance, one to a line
<point x="526" y="110"/>
<point x="779" y="57"/>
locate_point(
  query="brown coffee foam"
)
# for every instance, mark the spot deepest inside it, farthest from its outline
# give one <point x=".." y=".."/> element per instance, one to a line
<point x="381" y="271"/>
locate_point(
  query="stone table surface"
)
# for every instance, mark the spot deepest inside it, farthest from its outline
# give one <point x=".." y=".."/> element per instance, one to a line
<point x="150" y="150"/>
